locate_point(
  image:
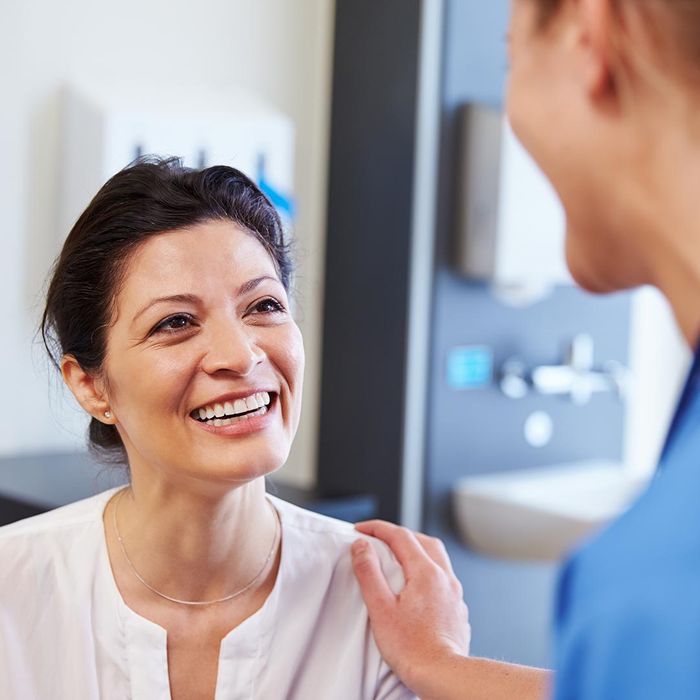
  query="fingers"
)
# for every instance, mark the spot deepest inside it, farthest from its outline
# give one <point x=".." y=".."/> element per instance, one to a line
<point x="402" y="542"/>
<point x="436" y="551"/>
<point x="406" y="545"/>
<point x="379" y="598"/>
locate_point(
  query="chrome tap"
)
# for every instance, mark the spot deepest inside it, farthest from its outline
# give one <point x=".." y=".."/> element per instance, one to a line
<point x="576" y="377"/>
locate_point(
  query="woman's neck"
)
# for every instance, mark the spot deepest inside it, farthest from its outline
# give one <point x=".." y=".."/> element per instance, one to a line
<point x="192" y="546"/>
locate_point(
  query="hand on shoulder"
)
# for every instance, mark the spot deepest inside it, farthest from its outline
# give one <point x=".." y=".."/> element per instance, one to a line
<point x="427" y="620"/>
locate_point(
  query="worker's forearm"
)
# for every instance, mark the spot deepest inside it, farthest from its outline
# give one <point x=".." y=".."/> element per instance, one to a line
<point x="466" y="678"/>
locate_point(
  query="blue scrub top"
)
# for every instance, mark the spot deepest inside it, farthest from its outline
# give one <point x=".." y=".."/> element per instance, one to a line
<point x="628" y="608"/>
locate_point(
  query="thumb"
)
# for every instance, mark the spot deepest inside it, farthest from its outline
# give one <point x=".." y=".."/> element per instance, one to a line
<point x="379" y="598"/>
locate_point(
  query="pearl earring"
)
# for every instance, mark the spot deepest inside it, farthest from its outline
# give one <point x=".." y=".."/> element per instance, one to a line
<point x="108" y="414"/>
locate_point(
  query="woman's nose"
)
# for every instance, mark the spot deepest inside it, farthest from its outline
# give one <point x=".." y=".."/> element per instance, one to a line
<point x="232" y="348"/>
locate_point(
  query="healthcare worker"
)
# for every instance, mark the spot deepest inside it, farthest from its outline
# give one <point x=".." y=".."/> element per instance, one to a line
<point x="606" y="96"/>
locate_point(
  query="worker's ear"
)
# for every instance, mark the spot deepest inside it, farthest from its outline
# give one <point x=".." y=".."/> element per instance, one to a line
<point x="88" y="388"/>
<point x="595" y="25"/>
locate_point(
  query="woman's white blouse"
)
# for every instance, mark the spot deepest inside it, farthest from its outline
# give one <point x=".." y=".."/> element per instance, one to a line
<point x="66" y="633"/>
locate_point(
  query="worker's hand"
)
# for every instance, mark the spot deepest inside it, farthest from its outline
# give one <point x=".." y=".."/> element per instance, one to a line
<point x="427" y="623"/>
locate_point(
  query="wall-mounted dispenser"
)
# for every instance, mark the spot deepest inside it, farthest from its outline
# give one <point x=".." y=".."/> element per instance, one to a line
<point x="105" y="127"/>
<point x="510" y="223"/>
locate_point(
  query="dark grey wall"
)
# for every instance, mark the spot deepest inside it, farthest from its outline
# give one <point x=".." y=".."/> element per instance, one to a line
<point x="482" y="431"/>
<point x="367" y="250"/>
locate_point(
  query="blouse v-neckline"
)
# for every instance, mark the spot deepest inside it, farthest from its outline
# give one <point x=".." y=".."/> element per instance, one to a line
<point x="242" y="651"/>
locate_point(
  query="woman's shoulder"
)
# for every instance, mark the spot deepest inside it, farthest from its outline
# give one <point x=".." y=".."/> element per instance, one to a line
<point x="58" y="546"/>
<point x="52" y="573"/>
<point x="295" y="516"/>
<point x="331" y="539"/>
<point x="72" y="516"/>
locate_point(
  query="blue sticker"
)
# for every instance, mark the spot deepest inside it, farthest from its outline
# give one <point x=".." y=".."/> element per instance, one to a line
<point x="283" y="203"/>
<point x="470" y="367"/>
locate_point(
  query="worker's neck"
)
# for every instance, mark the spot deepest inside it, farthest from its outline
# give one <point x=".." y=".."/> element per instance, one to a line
<point x="669" y="204"/>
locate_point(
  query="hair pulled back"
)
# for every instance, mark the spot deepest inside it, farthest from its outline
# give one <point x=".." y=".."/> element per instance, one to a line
<point x="148" y="197"/>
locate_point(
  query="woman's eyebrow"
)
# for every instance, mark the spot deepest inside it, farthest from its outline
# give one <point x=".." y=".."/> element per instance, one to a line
<point x="178" y="298"/>
<point x="252" y="284"/>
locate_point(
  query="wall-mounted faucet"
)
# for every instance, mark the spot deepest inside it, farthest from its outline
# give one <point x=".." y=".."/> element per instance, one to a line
<point x="576" y="378"/>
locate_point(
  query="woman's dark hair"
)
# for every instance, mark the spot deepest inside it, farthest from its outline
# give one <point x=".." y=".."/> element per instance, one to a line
<point x="148" y="197"/>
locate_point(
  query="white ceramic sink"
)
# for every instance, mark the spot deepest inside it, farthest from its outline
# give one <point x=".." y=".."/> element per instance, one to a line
<point x="541" y="514"/>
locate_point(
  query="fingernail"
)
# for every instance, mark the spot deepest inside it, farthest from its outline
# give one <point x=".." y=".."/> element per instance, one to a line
<point x="359" y="547"/>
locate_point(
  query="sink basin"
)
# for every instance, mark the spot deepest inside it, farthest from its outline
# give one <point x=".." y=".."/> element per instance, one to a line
<point x="541" y="514"/>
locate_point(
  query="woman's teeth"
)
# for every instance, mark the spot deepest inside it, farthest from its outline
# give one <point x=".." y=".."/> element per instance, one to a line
<point x="230" y="412"/>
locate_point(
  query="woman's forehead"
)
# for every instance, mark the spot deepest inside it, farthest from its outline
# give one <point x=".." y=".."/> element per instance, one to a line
<point x="217" y="250"/>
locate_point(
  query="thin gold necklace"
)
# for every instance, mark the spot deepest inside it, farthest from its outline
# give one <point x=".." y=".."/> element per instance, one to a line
<point x="230" y="596"/>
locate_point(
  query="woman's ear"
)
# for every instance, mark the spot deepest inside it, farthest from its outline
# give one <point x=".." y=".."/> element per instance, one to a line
<point x="88" y="389"/>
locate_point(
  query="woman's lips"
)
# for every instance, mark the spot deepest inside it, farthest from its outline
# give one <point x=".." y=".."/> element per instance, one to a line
<point x="246" y="425"/>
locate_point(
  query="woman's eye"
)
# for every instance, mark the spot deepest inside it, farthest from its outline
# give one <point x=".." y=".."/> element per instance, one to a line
<point x="267" y="306"/>
<point x="173" y="324"/>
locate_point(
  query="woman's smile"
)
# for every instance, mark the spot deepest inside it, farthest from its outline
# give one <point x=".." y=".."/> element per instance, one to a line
<point x="235" y="414"/>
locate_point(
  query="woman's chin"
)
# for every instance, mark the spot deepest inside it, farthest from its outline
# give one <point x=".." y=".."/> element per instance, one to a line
<point x="235" y="471"/>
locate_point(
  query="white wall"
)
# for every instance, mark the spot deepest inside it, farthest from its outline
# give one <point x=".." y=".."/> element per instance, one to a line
<point x="277" y="49"/>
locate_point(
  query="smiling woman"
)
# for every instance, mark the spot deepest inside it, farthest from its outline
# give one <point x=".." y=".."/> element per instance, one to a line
<point x="168" y="316"/>
<point x="200" y="318"/>
<point x="128" y="212"/>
